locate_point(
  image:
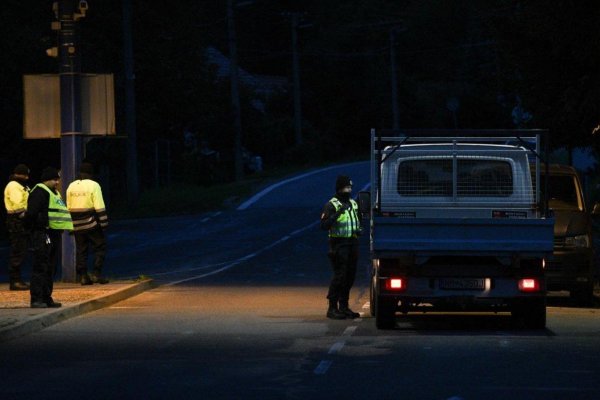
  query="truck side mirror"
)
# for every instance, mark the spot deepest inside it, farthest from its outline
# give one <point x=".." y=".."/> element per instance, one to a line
<point x="364" y="204"/>
<point x="596" y="210"/>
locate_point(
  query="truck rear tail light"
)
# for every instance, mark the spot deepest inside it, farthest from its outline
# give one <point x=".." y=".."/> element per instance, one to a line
<point x="529" y="285"/>
<point x="395" y="284"/>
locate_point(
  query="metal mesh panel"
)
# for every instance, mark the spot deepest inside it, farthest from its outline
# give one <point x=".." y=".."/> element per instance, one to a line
<point x="484" y="178"/>
<point x="429" y="178"/>
<point x="468" y="176"/>
<point x="475" y="178"/>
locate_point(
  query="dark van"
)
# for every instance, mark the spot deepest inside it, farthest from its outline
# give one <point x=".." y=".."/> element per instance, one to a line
<point x="572" y="267"/>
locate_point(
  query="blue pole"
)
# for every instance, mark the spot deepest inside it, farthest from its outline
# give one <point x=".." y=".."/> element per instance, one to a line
<point x="70" y="117"/>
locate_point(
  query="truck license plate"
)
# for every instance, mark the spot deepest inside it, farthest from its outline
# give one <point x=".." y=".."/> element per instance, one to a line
<point x="462" y="283"/>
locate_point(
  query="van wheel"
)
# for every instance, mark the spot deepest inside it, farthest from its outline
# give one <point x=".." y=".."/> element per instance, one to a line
<point x="530" y="313"/>
<point x="385" y="313"/>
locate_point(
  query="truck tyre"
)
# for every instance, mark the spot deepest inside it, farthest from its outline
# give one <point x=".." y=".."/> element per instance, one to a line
<point x="583" y="295"/>
<point x="385" y="313"/>
<point x="372" y="297"/>
<point x="530" y="313"/>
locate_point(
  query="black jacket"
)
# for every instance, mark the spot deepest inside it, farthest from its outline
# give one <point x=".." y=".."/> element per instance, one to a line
<point x="36" y="217"/>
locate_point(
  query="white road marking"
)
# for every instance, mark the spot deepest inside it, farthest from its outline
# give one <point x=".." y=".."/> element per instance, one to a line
<point x="244" y="258"/>
<point x="260" y="194"/>
<point x="337" y="346"/>
<point x="322" y="367"/>
<point x="349" y="330"/>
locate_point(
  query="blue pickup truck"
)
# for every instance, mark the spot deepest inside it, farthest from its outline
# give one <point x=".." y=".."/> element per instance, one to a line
<point x="457" y="223"/>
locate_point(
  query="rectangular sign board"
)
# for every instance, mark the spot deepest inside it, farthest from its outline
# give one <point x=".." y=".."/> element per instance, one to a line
<point x="41" y="95"/>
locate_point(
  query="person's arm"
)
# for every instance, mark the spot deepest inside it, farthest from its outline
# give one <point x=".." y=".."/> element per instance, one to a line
<point x="16" y="193"/>
<point x="329" y="216"/>
<point x="36" y="204"/>
<point x="99" y="206"/>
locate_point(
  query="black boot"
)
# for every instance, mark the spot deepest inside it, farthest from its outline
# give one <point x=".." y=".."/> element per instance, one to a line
<point x="18" y="285"/>
<point x="333" y="312"/>
<point x="97" y="278"/>
<point x="85" y="279"/>
<point x="347" y="311"/>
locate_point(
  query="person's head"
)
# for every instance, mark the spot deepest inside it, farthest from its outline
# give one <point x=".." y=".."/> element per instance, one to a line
<point x="50" y="177"/>
<point x="21" y="172"/>
<point x="343" y="186"/>
<point x="86" y="170"/>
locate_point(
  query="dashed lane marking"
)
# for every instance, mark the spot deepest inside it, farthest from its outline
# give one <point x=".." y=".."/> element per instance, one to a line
<point x="349" y="330"/>
<point x="337" y="346"/>
<point x="323" y="367"/>
<point x="245" y="258"/>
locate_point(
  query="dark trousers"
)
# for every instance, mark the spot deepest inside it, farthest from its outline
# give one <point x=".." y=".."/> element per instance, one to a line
<point x="343" y="254"/>
<point x="19" y="238"/>
<point x="46" y="245"/>
<point x="95" y="239"/>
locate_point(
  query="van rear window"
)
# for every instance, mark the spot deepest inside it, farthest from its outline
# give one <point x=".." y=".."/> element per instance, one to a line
<point x="475" y="178"/>
<point x="563" y="192"/>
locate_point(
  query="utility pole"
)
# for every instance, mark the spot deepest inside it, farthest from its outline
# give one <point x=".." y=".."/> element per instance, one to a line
<point x="395" y="114"/>
<point x="235" y="93"/>
<point x="70" y="110"/>
<point x="296" y="74"/>
<point x="130" y="131"/>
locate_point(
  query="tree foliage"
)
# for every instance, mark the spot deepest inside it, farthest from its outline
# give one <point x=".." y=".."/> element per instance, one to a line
<point x="484" y="54"/>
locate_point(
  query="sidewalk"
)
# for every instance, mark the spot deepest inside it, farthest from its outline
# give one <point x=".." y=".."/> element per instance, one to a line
<point x="18" y="319"/>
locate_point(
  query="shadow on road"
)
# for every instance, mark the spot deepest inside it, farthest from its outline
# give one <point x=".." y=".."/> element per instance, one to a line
<point x="461" y="324"/>
<point x="562" y="299"/>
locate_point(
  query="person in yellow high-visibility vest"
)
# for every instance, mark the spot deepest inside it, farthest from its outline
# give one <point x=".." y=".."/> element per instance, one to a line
<point x="15" y="201"/>
<point x="340" y="217"/>
<point x="48" y="217"/>
<point x="85" y="202"/>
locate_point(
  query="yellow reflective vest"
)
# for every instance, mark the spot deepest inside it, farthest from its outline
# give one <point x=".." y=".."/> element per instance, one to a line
<point x="348" y="224"/>
<point x="58" y="215"/>
<point x="85" y="202"/>
<point x="15" y="197"/>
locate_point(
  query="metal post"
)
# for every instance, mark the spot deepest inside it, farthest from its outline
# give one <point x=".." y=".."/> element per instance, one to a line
<point x="235" y="93"/>
<point x="296" y="73"/>
<point x="132" y="170"/>
<point x="70" y="117"/>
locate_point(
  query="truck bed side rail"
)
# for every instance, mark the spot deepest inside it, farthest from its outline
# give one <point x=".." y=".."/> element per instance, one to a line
<point x="470" y="236"/>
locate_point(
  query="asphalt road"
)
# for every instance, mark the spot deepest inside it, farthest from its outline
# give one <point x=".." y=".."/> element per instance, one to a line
<point x="240" y="315"/>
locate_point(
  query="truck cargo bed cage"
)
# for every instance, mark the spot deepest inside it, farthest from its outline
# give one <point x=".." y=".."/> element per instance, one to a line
<point x="386" y="142"/>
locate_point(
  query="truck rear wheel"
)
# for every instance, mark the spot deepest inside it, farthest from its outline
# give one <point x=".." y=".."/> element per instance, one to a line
<point x="385" y="313"/>
<point x="530" y="313"/>
<point x="372" y="297"/>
